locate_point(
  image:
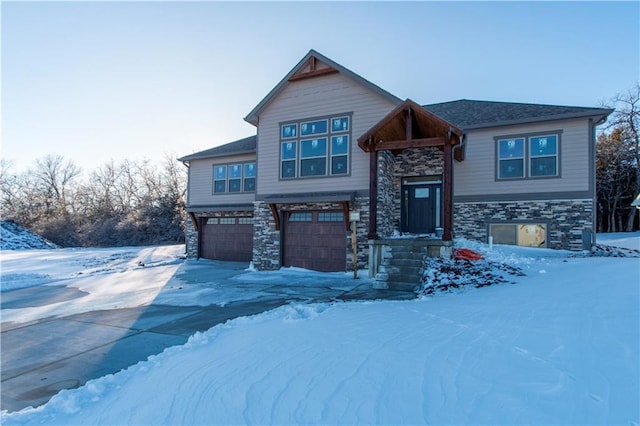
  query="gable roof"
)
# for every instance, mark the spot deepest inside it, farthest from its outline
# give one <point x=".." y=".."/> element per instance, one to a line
<point x="395" y="127"/>
<point x="469" y="114"/>
<point x="300" y="71"/>
<point x="241" y="146"/>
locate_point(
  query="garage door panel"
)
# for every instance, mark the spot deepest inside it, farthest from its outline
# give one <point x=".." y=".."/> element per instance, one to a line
<point x="226" y="241"/>
<point x="315" y="244"/>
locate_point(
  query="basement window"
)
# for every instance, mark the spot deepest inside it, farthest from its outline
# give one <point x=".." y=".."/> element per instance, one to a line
<point x="519" y="234"/>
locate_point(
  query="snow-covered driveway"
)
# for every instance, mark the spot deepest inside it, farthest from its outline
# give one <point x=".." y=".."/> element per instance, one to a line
<point x="559" y="346"/>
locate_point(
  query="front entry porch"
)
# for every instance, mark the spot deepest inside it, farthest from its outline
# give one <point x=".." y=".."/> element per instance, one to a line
<point x="411" y="191"/>
<point x="411" y="154"/>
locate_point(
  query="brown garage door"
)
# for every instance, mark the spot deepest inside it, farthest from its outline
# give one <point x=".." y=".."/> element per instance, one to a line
<point x="227" y="238"/>
<point x="315" y="240"/>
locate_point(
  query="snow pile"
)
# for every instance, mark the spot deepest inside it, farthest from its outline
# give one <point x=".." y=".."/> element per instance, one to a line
<point x="601" y="250"/>
<point x="443" y="275"/>
<point x="630" y="240"/>
<point x="16" y="237"/>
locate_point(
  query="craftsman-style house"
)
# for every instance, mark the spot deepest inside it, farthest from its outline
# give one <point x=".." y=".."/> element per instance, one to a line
<point x="331" y="147"/>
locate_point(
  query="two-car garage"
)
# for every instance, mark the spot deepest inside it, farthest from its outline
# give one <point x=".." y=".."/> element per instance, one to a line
<point x="313" y="240"/>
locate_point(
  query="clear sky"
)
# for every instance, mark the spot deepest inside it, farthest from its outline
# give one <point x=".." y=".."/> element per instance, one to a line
<point x="95" y="81"/>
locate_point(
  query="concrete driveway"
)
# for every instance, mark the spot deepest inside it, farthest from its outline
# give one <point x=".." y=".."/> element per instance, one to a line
<point x="43" y="357"/>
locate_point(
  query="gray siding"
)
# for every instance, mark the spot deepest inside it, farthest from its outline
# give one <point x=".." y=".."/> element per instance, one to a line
<point x="316" y="97"/>
<point x="200" y="191"/>
<point x="475" y="177"/>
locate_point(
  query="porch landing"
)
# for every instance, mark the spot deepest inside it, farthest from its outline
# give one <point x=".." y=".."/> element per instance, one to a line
<point x="398" y="263"/>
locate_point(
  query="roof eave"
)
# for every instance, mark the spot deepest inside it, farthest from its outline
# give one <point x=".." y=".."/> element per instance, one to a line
<point x="599" y="114"/>
<point x="205" y="156"/>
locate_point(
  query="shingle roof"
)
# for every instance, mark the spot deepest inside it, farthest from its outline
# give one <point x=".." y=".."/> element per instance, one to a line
<point x="241" y="146"/>
<point x="469" y="114"/>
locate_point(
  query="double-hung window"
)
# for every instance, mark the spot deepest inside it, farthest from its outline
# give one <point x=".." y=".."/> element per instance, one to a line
<point x="235" y="177"/>
<point x="511" y="158"/>
<point x="528" y="156"/>
<point x="316" y="147"/>
<point x="543" y="155"/>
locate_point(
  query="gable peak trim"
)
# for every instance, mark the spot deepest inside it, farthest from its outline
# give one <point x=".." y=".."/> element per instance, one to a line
<point x="302" y="69"/>
<point x="314" y="67"/>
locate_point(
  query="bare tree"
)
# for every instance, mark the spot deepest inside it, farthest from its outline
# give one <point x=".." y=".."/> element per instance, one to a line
<point x="55" y="175"/>
<point x="130" y="203"/>
<point x="615" y="175"/>
<point x="626" y="118"/>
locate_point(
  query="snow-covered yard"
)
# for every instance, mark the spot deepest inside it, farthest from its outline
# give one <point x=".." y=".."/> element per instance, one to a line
<point x="558" y="346"/>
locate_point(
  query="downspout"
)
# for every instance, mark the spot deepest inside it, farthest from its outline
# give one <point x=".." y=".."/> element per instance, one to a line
<point x="460" y="146"/>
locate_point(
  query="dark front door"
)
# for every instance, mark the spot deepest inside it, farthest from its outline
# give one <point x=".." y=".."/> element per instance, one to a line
<point x="421" y="207"/>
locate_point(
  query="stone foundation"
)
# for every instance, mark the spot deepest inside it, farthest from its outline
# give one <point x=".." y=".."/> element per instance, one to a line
<point x="566" y="220"/>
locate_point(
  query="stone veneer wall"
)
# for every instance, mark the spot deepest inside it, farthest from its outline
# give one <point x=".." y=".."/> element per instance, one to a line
<point x="191" y="237"/>
<point x="565" y="219"/>
<point x="415" y="162"/>
<point x="266" y="239"/>
<point x="387" y="221"/>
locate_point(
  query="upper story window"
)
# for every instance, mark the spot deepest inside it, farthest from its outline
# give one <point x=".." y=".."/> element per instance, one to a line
<point x="316" y="147"/>
<point x="235" y="177"/>
<point x="529" y="156"/>
<point x="543" y="155"/>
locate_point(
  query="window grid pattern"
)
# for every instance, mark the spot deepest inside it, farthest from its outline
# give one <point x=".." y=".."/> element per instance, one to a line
<point x="315" y="148"/>
<point x="528" y="157"/>
<point x="234" y="178"/>
<point x="300" y="217"/>
<point x="330" y="217"/>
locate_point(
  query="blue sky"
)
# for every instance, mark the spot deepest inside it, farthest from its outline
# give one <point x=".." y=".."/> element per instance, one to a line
<point x="95" y="81"/>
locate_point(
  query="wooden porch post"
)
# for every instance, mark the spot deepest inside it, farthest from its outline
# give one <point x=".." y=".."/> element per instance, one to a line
<point x="373" y="192"/>
<point x="447" y="177"/>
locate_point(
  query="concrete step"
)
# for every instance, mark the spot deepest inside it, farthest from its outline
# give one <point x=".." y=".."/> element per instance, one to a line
<point x="403" y="286"/>
<point x="410" y="277"/>
<point x="408" y="254"/>
<point x="411" y="263"/>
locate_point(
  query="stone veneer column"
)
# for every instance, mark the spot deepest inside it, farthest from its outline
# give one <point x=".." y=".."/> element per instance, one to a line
<point x="191" y="239"/>
<point x="361" y="204"/>
<point x="387" y="220"/>
<point x="266" y="239"/>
